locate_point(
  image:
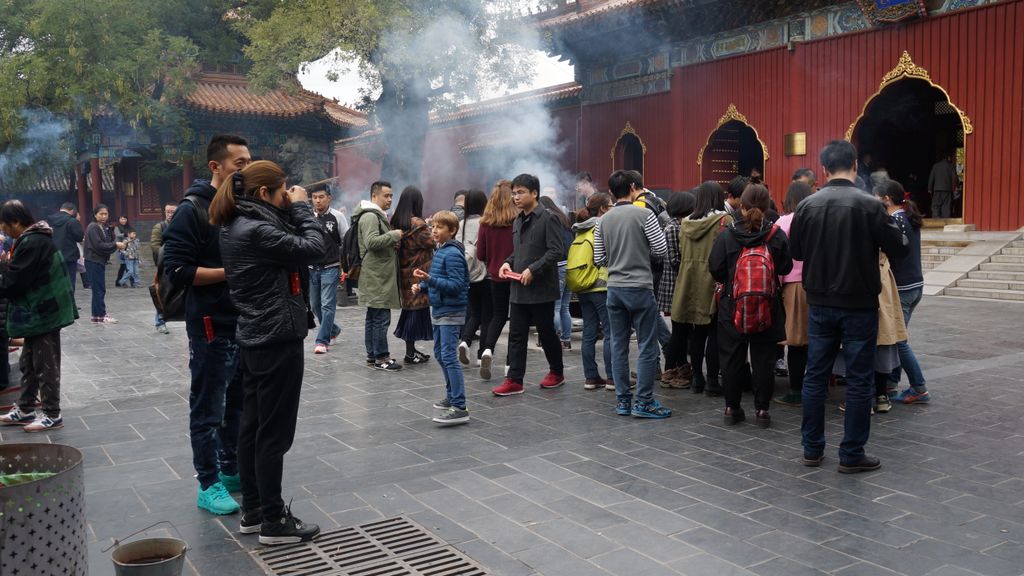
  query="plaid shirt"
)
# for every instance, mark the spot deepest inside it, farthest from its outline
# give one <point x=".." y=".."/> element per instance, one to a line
<point x="668" y="277"/>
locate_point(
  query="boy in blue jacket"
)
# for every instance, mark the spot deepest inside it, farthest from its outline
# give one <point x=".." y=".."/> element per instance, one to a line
<point x="447" y="286"/>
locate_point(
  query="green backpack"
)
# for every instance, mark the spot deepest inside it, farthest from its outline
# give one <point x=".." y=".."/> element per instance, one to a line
<point x="580" y="272"/>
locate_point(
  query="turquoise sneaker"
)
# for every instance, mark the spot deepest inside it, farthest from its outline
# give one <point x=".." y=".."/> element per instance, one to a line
<point x="231" y="483"/>
<point x="216" y="500"/>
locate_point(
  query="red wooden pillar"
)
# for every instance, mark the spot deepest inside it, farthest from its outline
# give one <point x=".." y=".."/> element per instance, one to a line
<point x="83" y="209"/>
<point x="96" y="181"/>
<point x="186" y="174"/>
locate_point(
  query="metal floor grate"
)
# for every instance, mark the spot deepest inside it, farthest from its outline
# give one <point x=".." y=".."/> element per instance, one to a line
<point x="391" y="547"/>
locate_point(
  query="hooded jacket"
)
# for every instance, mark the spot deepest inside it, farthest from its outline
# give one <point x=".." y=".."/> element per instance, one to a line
<point x="265" y="251"/>
<point x="36" y="285"/>
<point x="693" y="300"/>
<point x="378" y="278"/>
<point x="189" y="244"/>
<point x="67" y="233"/>
<point x="837" y="232"/>
<point x="722" y="264"/>
<point x="448" y="286"/>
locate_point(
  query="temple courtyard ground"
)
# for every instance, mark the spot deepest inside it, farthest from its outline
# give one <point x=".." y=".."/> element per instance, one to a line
<point x="553" y="482"/>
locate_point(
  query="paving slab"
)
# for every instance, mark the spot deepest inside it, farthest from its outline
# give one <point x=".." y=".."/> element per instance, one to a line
<point x="552" y="483"/>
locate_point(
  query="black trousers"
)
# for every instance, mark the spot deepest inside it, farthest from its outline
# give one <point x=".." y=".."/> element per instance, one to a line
<point x="490" y="331"/>
<point x="271" y="380"/>
<point x="480" y="312"/>
<point x="797" y="366"/>
<point x="704" y="345"/>
<point x="733" y="355"/>
<point x="521" y="316"/>
<point x="676" y="349"/>
<point x="40" y="373"/>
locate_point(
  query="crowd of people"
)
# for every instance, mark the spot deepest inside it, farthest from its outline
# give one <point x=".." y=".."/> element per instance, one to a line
<point x="719" y="291"/>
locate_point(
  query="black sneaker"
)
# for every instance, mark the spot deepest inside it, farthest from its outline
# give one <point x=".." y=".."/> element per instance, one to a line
<point x="250" y="522"/>
<point x="453" y="416"/>
<point x="417" y="358"/>
<point x="812" y="461"/>
<point x="733" y="416"/>
<point x="391" y="365"/>
<point x="442" y="404"/>
<point x="287" y="530"/>
<point x="865" y="464"/>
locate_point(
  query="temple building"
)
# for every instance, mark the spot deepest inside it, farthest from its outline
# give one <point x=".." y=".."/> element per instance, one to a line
<point x="135" y="173"/>
<point x="694" y="90"/>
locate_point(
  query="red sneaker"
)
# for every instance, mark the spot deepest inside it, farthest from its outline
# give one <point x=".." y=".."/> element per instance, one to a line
<point x="508" y="388"/>
<point x="552" y="380"/>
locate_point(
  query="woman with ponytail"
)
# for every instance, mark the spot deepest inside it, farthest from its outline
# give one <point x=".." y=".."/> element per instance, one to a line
<point x="752" y="231"/>
<point x="269" y="238"/>
<point x="909" y="283"/>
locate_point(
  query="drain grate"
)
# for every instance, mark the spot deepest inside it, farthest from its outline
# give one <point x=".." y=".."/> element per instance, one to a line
<point x="391" y="547"/>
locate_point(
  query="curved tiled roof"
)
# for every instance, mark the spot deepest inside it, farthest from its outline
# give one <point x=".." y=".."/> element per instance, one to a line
<point x="225" y="93"/>
<point x="596" y="10"/>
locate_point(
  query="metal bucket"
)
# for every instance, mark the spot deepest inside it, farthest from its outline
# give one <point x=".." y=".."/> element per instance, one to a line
<point x="150" y="557"/>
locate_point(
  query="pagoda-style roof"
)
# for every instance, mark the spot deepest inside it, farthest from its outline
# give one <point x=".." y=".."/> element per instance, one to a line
<point x="226" y="93"/>
<point x="578" y="29"/>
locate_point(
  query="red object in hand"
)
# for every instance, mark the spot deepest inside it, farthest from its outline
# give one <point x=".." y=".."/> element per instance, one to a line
<point x="296" y="284"/>
<point x="208" y="328"/>
<point x="513" y="275"/>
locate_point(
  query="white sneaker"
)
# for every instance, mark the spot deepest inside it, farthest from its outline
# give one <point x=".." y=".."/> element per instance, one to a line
<point x="485" y="365"/>
<point x="17" y="418"/>
<point x="464" y="353"/>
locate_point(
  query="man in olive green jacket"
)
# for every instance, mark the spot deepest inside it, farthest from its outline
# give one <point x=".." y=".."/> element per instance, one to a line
<point x="378" y="278"/>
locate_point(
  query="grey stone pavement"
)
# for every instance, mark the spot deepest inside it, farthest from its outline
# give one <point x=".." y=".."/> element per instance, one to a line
<point x="553" y="483"/>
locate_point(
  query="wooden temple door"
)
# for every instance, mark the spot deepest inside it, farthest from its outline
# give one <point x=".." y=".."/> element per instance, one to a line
<point x="721" y="160"/>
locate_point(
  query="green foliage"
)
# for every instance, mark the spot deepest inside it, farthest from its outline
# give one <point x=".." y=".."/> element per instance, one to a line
<point x="84" y="59"/>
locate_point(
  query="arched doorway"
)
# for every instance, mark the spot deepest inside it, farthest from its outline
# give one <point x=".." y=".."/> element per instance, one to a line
<point x="629" y="151"/>
<point x="733" y="148"/>
<point x="908" y="125"/>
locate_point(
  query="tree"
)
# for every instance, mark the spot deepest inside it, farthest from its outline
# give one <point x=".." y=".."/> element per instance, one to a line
<point x="120" y="60"/>
<point x="421" y="55"/>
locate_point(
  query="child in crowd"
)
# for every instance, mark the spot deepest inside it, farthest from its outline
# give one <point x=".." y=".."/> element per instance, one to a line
<point x="447" y="286"/>
<point x="131" y="261"/>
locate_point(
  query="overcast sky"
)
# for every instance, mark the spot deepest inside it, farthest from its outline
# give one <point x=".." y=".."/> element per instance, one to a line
<point x="346" y="90"/>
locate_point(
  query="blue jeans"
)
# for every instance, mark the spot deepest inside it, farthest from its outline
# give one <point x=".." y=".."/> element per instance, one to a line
<point x="158" y="320"/>
<point x="636" y="308"/>
<point x="215" y="407"/>
<point x="909" y="299"/>
<point x="857" y="332"/>
<point x="563" y="321"/>
<point x="446" y="339"/>
<point x="595" y="313"/>
<point x="95" y="271"/>
<point x="323" y="300"/>
<point x="376" y="333"/>
<point x="131" y="273"/>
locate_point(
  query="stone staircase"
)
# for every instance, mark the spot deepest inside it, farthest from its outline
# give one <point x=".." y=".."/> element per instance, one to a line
<point x="999" y="278"/>
<point x="933" y="254"/>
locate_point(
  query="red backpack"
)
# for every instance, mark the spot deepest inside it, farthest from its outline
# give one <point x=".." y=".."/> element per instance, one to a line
<point x="754" y="288"/>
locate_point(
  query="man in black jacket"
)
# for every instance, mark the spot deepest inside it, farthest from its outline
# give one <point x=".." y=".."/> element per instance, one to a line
<point x="67" y="233"/>
<point x="192" y="258"/>
<point x="538" y="243"/>
<point x="324" y="275"/>
<point x="837" y="233"/>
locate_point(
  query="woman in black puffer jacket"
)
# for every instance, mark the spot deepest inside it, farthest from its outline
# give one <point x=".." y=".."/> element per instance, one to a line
<point x="269" y="237"/>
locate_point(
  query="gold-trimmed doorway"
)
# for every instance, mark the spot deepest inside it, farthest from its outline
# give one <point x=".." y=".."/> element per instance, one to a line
<point x="733" y="148"/>
<point x="906" y="126"/>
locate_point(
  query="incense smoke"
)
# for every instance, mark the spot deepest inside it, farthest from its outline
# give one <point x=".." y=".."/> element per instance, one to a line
<point x="42" y="146"/>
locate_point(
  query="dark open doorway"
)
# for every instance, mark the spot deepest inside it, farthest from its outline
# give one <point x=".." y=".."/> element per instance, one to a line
<point x="629" y="153"/>
<point x="905" y="129"/>
<point x="732" y="150"/>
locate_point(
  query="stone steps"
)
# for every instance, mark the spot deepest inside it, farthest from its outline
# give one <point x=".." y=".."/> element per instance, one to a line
<point x="947" y="250"/>
<point x="1007" y="258"/>
<point x="1014" y="251"/>
<point x="991" y="284"/>
<point x="934" y="257"/>
<point x="990" y="275"/>
<point x="1015" y="295"/>
<point x="1002" y="267"/>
